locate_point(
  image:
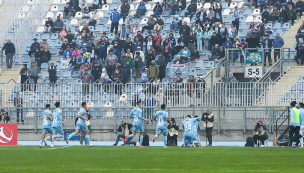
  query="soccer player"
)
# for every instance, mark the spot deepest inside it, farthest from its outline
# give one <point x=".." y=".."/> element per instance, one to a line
<point x="189" y="135"/>
<point x="81" y="124"/>
<point x="162" y="117"/>
<point x="301" y="106"/>
<point x="57" y="123"/>
<point x="196" y="128"/>
<point x="137" y="123"/>
<point x="47" y="125"/>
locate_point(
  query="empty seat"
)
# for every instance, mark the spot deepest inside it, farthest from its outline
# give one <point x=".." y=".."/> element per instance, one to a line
<point x="286" y="26"/>
<point x="54" y="36"/>
<point x="277" y="26"/>
<point x="26" y="59"/>
<point x="228" y="19"/>
<point x="210" y="64"/>
<point x="192" y="72"/>
<point x="256" y="12"/>
<point x="44" y="66"/>
<point x="54" y="51"/>
<point x="199" y="64"/>
<point x="58" y="44"/>
<point x="67" y="74"/>
<point x="202" y="72"/>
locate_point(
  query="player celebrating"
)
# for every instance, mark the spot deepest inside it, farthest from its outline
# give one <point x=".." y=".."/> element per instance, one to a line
<point x="137" y="123"/>
<point x="47" y="125"/>
<point x="162" y="118"/>
<point x="189" y="135"/>
<point x="57" y="123"/>
<point x="81" y="124"/>
<point x="196" y="128"/>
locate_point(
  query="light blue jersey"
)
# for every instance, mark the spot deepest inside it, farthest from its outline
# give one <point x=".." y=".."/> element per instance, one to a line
<point x="188" y="124"/>
<point x="196" y="127"/>
<point x="46" y="122"/>
<point x="161" y="119"/>
<point x="137" y="119"/>
<point x="57" y="117"/>
<point x="301" y="116"/>
<point x="84" y="115"/>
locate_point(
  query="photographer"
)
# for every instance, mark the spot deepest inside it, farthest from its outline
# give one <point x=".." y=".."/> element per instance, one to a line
<point x="260" y="133"/>
<point x="208" y="120"/>
<point x="125" y="129"/>
<point x="4" y="118"/>
<point x="173" y="133"/>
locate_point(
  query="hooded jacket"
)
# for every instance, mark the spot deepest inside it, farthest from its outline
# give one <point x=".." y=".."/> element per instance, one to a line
<point x="70" y="53"/>
<point x="142" y="7"/>
<point x="115" y="17"/>
<point x="153" y="71"/>
<point x="112" y="58"/>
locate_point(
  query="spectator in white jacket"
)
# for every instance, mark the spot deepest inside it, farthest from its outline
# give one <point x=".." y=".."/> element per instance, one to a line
<point x="83" y="5"/>
<point x="130" y="24"/>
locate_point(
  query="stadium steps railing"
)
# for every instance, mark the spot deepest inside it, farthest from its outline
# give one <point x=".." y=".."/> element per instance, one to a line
<point x="283" y="117"/>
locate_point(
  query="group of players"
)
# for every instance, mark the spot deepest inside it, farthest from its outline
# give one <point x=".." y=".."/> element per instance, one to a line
<point x="52" y="123"/>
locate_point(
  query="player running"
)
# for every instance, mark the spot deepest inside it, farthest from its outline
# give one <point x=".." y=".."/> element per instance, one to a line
<point x="137" y="123"/>
<point x="57" y="123"/>
<point x="196" y="128"/>
<point x="81" y="124"/>
<point x="47" y="125"/>
<point x="189" y="135"/>
<point x="162" y="118"/>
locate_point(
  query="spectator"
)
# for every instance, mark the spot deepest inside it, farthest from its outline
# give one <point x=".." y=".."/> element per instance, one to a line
<point x="115" y="17"/>
<point x="284" y="15"/>
<point x="214" y="52"/>
<point x="190" y="85"/>
<point x="300" y="8"/>
<point x="125" y="129"/>
<point x="278" y="5"/>
<point x="200" y="86"/>
<point x="117" y="44"/>
<point x="96" y="72"/>
<point x="300" y="33"/>
<point x="261" y="4"/>
<point x="111" y="58"/>
<point x="89" y="46"/>
<point x="68" y="53"/>
<point x="269" y="32"/>
<point x="105" y="79"/>
<point x="144" y="76"/>
<point x="267" y="43"/>
<point x="58" y="24"/>
<point x="253" y="43"/>
<point x="181" y="4"/>
<point x="217" y="61"/>
<point x="126" y="73"/>
<point x="137" y="44"/>
<point x="181" y="42"/>
<point x="94" y="18"/>
<point x="52" y="73"/>
<point x="153" y="70"/>
<point x="292" y="15"/>
<point x="129" y="46"/>
<point x="69" y="37"/>
<point x="86" y="33"/>
<point x="208" y="119"/>
<point x="218" y="13"/>
<point x="228" y="43"/>
<point x="265" y="15"/>
<point x="184" y="29"/>
<point x="173" y="133"/>
<point x="157" y="10"/>
<point x="94" y="6"/>
<point x="72" y="64"/>
<point x="275" y="14"/>
<point x="210" y="16"/>
<point x="178" y="60"/>
<point x="141" y="53"/>
<point x="191" y="9"/>
<point x="49" y="24"/>
<point x="136" y="29"/>
<point x="117" y="78"/>
<point x="115" y="51"/>
<point x="232" y="32"/>
<point x="130" y="24"/>
<point x="174" y="9"/>
<point x="161" y="63"/>
<point x="85" y="66"/>
<point x="206" y="25"/>
<point x="9" y="49"/>
<point x="68" y="11"/>
<point x="86" y="17"/>
<point x="18" y="103"/>
<point x="250" y="3"/>
<point x="23" y="75"/>
<point x="167" y="50"/>
<point x="63" y="33"/>
<point x="4" y="118"/>
<point x="157" y="41"/>
<point x="167" y="7"/>
<point x="123" y="35"/>
<point x="141" y="10"/>
<point x="236" y="13"/>
<point x="38" y="58"/>
<point x="76" y="52"/>
<point x="199" y="40"/>
<point x="278" y="43"/>
<point x="83" y="5"/>
<point x="75" y="4"/>
<point x="230" y="81"/>
<point x="289" y="3"/>
<point x="149" y="57"/>
<point x="34" y="47"/>
<point x="260" y="133"/>
<point x="138" y="64"/>
<point x="201" y="16"/>
<point x="215" y="39"/>
<point x="103" y="46"/>
<point x="176" y="23"/>
<point x="243" y="46"/>
<point x="140" y="37"/>
<point x="125" y="8"/>
<point x="33" y="73"/>
<point x="185" y="54"/>
<point x="151" y="24"/>
<point x="300" y="53"/>
<point x="191" y="42"/>
<point x="86" y="79"/>
<point x="129" y="61"/>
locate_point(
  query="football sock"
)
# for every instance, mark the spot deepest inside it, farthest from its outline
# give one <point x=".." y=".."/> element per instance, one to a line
<point x="131" y="136"/>
<point x="141" y="139"/>
<point x="156" y="136"/>
<point x="57" y="136"/>
<point x="41" y="141"/>
<point x="72" y="135"/>
<point x="87" y="138"/>
<point x="165" y="141"/>
<point x="48" y="138"/>
<point x="301" y="141"/>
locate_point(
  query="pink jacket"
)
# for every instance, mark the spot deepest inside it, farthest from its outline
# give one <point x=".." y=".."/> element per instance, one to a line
<point x="62" y="34"/>
<point x="135" y="30"/>
<point x="76" y="53"/>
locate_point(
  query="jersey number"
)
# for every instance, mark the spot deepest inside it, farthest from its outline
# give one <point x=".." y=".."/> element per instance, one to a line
<point x="187" y="127"/>
<point x="55" y="119"/>
<point x="135" y="118"/>
<point x="45" y="121"/>
<point x="160" y="120"/>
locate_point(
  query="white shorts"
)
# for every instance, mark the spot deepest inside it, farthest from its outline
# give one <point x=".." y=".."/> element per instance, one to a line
<point x="302" y="131"/>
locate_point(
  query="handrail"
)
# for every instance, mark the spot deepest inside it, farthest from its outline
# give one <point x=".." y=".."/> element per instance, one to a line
<point x="210" y="74"/>
<point x="287" y="118"/>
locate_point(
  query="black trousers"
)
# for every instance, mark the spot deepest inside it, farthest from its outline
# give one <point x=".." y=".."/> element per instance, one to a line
<point x="114" y="25"/>
<point x="236" y="23"/>
<point x="124" y="15"/>
<point x="262" y="138"/>
<point x="30" y="52"/>
<point x="209" y="134"/>
<point x="297" y="57"/>
<point x="294" y="134"/>
<point x="86" y="89"/>
<point x="56" y="29"/>
<point x="92" y="23"/>
<point x="267" y="54"/>
<point x="53" y="79"/>
<point x="276" y="55"/>
<point x="299" y="36"/>
<point x="174" y="138"/>
<point x="19" y="112"/>
<point x="93" y="7"/>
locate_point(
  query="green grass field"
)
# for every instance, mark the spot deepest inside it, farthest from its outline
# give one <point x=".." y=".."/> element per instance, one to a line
<point x="32" y="159"/>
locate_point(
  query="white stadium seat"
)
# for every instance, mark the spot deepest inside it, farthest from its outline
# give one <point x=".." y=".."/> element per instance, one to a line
<point x="54" y="8"/>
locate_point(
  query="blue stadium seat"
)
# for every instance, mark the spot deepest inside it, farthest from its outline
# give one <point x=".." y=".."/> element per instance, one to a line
<point x="210" y="64"/>
<point x="103" y="21"/>
<point x="268" y="24"/>
<point x="54" y="51"/>
<point x="166" y="14"/>
<point x="243" y="34"/>
<point x="115" y="1"/>
<point x="277" y="26"/>
<point x="192" y="20"/>
<point x="87" y="97"/>
<point x="169" y="20"/>
<point x="106" y="29"/>
<point x="182" y="14"/>
<point x="58" y="44"/>
<point x="50" y="97"/>
<point x="111" y="36"/>
<point x="228" y="19"/>
<point x="67" y="74"/>
<point x="73" y="104"/>
<point x="107" y="14"/>
<point x="54" y="36"/>
<point x="44" y="66"/>
<point x="243" y="27"/>
<point x="25" y="52"/>
<point x="114" y="97"/>
<point x="59" y="74"/>
<point x="70" y="28"/>
<point x="207" y="56"/>
<point x="167" y="28"/>
<point x="70" y="81"/>
<point x="12" y="30"/>
<point x="45" y="36"/>
<point x="286" y="26"/>
<point x="224" y="5"/>
<point x="242" y="19"/>
<point x="202" y="72"/>
<point x="286" y="56"/>
<point x="280" y="32"/>
<point x="189" y="64"/>
<point x="192" y="72"/>
<point x="75" y="74"/>
<point x="247" y="11"/>
<point x="26" y="59"/>
<point x="91" y="28"/>
<point x="98" y="29"/>
<point x="17" y="22"/>
<point x="199" y="64"/>
<point x="65" y="22"/>
<point x="51" y="43"/>
<point x="112" y="7"/>
<point x="29" y="44"/>
<point x="293" y="49"/>
<point x="62" y="8"/>
<point x="69" y="97"/>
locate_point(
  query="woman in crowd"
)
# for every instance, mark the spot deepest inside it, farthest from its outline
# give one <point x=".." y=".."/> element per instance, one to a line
<point x="63" y="33"/>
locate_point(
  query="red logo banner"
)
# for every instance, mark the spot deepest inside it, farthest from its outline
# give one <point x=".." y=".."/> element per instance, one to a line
<point x="8" y="134"/>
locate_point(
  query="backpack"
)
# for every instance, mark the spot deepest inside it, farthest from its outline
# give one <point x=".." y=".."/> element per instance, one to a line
<point x="145" y="141"/>
<point x="249" y="142"/>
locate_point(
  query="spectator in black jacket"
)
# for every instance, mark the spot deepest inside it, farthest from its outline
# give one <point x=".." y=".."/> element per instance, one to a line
<point x="300" y="33"/>
<point x="38" y="58"/>
<point x="174" y="9"/>
<point x="9" y="49"/>
<point x="128" y="45"/>
<point x="69" y="36"/>
<point x="96" y="72"/>
<point x="157" y="10"/>
<point x="117" y="43"/>
<point x="94" y="6"/>
<point x="125" y="8"/>
<point x="191" y="9"/>
<point x="49" y="24"/>
<point x="252" y="43"/>
<point x="191" y="42"/>
<point x="126" y="73"/>
<point x="181" y="4"/>
<point x="52" y="73"/>
<point x="34" y="46"/>
<point x="75" y="5"/>
<point x="173" y="133"/>
<point x="184" y="29"/>
<point x="267" y="43"/>
<point x="68" y="11"/>
<point x="201" y="16"/>
<point x="300" y="53"/>
<point x="300" y="7"/>
<point x="45" y="55"/>
<point x="218" y="13"/>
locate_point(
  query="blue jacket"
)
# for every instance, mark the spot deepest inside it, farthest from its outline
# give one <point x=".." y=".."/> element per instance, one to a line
<point x="265" y="15"/>
<point x="262" y="2"/>
<point x="136" y="44"/>
<point x="115" y="52"/>
<point x="142" y="7"/>
<point x="70" y="53"/>
<point x="80" y="60"/>
<point x="115" y="17"/>
<point x="229" y="45"/>
<point x="103" y="49"/>
<point x="278" y="42"/>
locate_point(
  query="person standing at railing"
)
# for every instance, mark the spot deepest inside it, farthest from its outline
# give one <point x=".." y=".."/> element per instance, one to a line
<point x="33" y="72"/>
<point x="52" y="73"/>
<point x="190" y="85"/>
<point x="18" y="103"/>
<point x="300" y="53"/>
<point x="9" y="49"/>
<point x="86" y="79"/>
<point x="278" y="43"/>
<point x="267" y="44"/>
